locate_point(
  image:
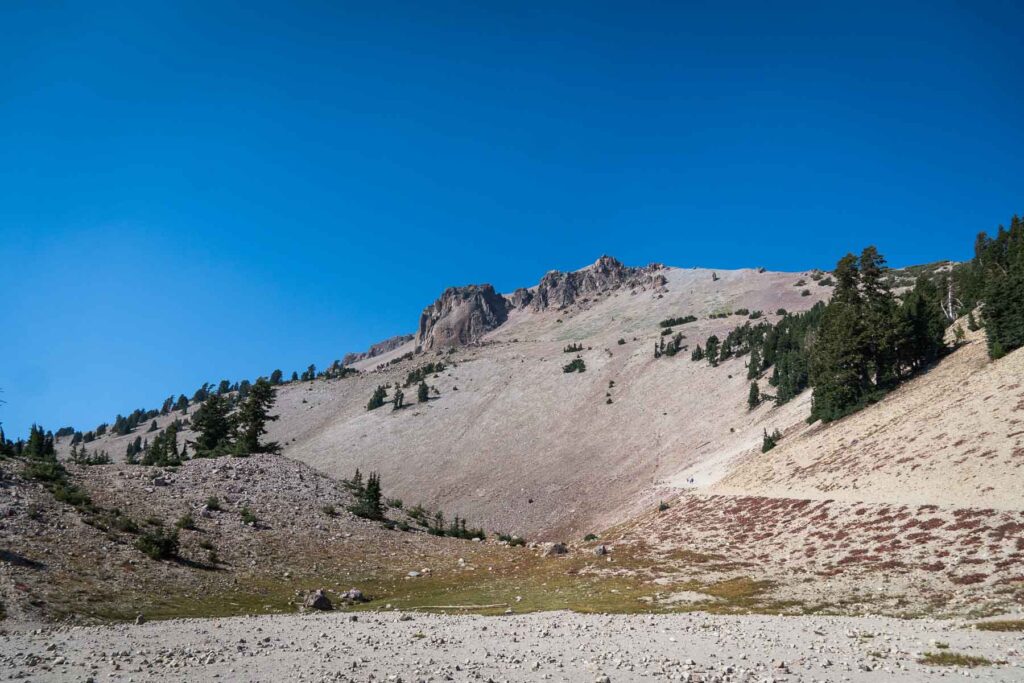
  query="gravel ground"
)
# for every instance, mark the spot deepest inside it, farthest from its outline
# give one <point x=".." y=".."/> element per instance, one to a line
<point x="556" y="646"/>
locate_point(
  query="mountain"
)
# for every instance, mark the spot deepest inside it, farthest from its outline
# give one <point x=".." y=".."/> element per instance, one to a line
<point x="573" y="410"/>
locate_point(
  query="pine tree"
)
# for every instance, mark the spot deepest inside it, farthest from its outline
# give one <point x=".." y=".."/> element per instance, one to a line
<point x="422" y="392"/>
<point x="252" y="417"/>
<point x="754" y="364"/>
<point x="377" y="400"/>
<point x="398" y="400"/>
<point x="40" y="444"/>
<point x="880" y="319"/>
<point x="213" y="426"/>
<point x="368" y="498"/>
<point x="754" y="397"/>
<point x="839" y="368"/>
<point x="182" y="404"/>
<point x="275" y="377"/>
<point x="972" y="323"/>
<point x="711" y="350"/>
<point x="295" y="376"/>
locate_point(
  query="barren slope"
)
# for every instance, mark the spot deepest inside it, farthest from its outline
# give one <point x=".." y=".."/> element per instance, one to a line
<point x="954" y="435"/>
<point x="516" y="444"/>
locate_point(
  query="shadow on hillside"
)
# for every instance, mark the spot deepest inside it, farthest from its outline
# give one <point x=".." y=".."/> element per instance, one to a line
<point x="194" y="564"/>
<point x="16" y="560"/>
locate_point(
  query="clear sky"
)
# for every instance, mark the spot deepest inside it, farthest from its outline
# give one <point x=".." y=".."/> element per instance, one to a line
<point x="192" y="191"/>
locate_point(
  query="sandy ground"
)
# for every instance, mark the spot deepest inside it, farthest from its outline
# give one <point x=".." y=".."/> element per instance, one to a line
<point x="554" y="646"/>
<point x="953" y="436"/>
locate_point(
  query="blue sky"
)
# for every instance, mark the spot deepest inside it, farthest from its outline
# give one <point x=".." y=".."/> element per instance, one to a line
<point x="197" y="191"/>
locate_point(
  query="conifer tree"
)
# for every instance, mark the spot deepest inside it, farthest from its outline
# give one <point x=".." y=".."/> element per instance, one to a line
<point x="252" y="417"/>
<point x="275" y="377"/>
<point x="398" y="400"/>
<point x="213" y="426"/>
<point x="711" y="350"/>
<point x="754" y="397"/>
<point x="754" y="364"/>
<point x="422" y="392"/>
<point x="377" y="400"/>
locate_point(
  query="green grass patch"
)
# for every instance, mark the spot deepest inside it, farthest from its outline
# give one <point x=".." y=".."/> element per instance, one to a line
<point x="953" y="659"/>
<point x="1005" y="625"/>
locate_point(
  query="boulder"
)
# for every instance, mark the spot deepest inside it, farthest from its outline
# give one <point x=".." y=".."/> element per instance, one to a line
<point x="551" y="549"/>
<point x="318" y="600"/>
<point x="354" y="595"/>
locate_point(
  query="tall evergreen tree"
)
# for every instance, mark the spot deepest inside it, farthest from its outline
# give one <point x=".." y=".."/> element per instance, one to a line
<point x="252" y="417"/>
<point x="1001" y="261"/>
<point x="422" y="392"/>
<point x="754" y="396"/>
<point x="839" y="369"/>
<point x="754" y="364"/>
<point x="213" y="426"/>
<point x="711" y="350"/>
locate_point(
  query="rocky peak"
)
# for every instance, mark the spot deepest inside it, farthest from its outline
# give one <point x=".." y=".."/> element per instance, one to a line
<point x="460" y="316"/>
<point x="560" y="290"/>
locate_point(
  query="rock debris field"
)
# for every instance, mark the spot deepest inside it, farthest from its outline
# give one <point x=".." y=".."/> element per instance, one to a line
<point x="553" y="646"/>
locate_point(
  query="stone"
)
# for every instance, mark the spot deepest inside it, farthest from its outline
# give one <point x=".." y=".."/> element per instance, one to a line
<point x="318" y="600"/>
<point x="554" y="549"/>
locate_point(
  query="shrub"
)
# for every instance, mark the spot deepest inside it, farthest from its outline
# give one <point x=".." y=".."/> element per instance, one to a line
<point x="662" y="506"/>
<point x="672" y="322"/>
<point x="770" y="440"/>
<point x="621" y="341"/>
<point x="213" y="504"/>
<point x="577" y="365"/>
<point x="1005" y="625"/>
<point x="781" y="311"/>
<point x="158" y="545"/>
<point x="328" y="510"/>
<point x="248" y="517"/>
<point x="186" y="521"/>
<point x="590" y="537"/>
<point x="805" y="292"/>
<point x="952" y="659"/>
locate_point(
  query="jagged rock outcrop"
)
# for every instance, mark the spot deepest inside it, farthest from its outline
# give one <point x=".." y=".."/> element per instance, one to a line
<point x="520" y="298"/>
<point x="377" y="349"/>
<point x="559" y="290"/>
<point x="460" y="316"/>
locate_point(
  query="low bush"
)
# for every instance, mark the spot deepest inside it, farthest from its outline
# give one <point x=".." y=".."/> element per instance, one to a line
<point x="158" y="545"/>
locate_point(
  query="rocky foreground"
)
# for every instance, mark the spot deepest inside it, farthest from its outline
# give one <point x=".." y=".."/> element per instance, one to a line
<point x="556" y="646"/>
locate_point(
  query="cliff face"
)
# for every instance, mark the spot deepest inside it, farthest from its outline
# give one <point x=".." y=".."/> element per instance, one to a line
<point x="559" y="290"/>
<point x="460" y="316"/>
<point x="377" y="349"/>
